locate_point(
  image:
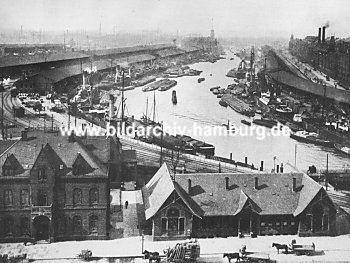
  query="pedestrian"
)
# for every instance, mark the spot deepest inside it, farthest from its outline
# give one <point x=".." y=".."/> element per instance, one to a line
<point x="126" y="204"/>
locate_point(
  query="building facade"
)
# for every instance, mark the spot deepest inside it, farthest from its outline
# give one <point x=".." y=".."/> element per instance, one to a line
<point x="55" y="188"/>
<point x="222" y="205"/>
<point x="330" y="55"/>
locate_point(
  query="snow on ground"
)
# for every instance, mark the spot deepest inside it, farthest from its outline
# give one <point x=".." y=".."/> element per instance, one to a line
<point x="335" y="249"/>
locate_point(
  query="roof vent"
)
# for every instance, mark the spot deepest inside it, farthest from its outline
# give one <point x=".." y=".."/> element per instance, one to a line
<point x="211" y="194"/>
<point x="61" y="166"/>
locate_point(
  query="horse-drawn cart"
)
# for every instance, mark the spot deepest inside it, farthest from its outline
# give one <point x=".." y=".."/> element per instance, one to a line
<point x="298" y="249"/>
<point x="183" y="252"/>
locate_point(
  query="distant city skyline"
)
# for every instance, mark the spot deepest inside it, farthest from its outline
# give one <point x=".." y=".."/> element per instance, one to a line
<point x="230" y="18"/>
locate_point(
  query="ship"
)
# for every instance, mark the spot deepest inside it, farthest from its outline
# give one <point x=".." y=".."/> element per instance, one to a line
<point x="238" y="105"/>
<point x="265" y="122"/>
<point x="167" y="84"/>
<point x="143" y="81"/>
<point x="246" y="122"/>
<point x="199" y="147"/>
<point x="161" y="85"/>
<point x="200" y="80"/>
<point x="174" y="97"/>
<point x="310" y="137"/>
<point x="240" y="72"/>
<point x="342" y="149"/>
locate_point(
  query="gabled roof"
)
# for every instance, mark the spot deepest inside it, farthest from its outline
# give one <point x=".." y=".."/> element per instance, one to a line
<point x="209" y="196"/>
<point x="11" y="161"/>
<point x="58" y="150"/>
<point x="158" y="190"/>
<point x="53" y="159"/>
<point x="305" y="197"/>
<point x="81" y="164"/>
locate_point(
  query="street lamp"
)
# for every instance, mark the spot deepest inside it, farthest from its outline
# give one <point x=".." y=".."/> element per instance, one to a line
<point x="274" y="163"/>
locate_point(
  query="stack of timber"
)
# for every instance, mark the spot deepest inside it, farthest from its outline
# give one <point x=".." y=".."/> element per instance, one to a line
<point x="183" y="252"/>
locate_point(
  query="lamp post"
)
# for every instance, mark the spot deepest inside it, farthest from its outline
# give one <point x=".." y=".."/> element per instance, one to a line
<point x="274" y="164"/>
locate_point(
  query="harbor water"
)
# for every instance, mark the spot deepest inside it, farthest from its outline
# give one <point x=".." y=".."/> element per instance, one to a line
<point x="197" y="106"/>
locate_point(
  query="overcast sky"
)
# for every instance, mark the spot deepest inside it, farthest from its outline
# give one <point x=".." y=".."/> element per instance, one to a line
<point x="230" y="17"/>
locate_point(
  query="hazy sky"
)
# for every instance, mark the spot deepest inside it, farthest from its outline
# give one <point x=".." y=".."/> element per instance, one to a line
<point x="230" y="17"/>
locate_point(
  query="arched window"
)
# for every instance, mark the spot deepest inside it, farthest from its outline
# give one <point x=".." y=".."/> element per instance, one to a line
<point x="77" y="225"/>
<point x="9" y="226"/>
<point x="8" y="198"/>
<point x="93" y="224"/>
<point x="24" y="197"/>
<point x="25" y="226"/>
<point x="77" y="196"/>
<point x="93" y="196"/>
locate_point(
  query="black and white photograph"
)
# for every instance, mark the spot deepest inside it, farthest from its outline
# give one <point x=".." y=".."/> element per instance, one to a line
<point x="174" y="131"/>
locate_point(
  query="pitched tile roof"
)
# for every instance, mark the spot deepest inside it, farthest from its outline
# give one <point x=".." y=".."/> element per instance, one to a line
<point x="209" y="197"/>
<point x="310" y="87"/>
<point x="8" y="61"/>
<point x="58" y="150"/>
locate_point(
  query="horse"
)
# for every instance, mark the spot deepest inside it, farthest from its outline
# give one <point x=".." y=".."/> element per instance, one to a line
<point x="151" y="256"/>
<point x="280" y="246"/>
<point x="231" y="256"/>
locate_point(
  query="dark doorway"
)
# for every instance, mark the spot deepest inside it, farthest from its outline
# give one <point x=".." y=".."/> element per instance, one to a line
<point x="42" y="227"/>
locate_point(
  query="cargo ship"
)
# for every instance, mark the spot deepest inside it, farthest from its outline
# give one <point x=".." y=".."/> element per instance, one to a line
<point x="265" y="122"/>
<point x="183" y="143"/>
<point x="161" y="85"/>
<point x="143" y="81"/>
<point x="310" y="137"/>
<point x="238" y="105"/>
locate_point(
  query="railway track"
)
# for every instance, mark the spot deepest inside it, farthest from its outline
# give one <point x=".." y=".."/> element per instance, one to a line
<point x="341" y="200"/>
<point x="151" y="153"/>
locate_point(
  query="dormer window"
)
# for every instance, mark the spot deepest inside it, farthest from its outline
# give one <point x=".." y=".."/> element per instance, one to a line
<point x="81" y="166"/>
<point x="42" y="176"/>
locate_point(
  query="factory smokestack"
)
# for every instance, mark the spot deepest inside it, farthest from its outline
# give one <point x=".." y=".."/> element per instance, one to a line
<point x="319" y="34"/>
<point x="323" y="34"/>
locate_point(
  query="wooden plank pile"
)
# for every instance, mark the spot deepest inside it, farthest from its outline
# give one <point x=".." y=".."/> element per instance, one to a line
<point x="188" y="251"/>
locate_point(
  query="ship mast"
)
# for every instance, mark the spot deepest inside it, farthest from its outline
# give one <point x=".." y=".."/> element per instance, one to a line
<point x="146" y="119"/>
<point x="154" y="105"/>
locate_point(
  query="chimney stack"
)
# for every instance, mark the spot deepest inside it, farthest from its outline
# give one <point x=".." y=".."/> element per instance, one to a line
<point x="24" y="135"/>
<point x="227" y="183"/>
<point x="256" y="182"/>
<point x="189" y="186"/>
<point x="319" y="34"/>
<point x="294" y="184"/>
<point x="323" y="34"/>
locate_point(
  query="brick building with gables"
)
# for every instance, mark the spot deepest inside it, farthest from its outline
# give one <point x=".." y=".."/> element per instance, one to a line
<point x="57" y="188"/>
<point x="210" y="205"/>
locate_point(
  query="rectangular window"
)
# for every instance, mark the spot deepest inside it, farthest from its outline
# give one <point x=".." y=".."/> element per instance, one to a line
<point x="262" y="224"/>
<point x="164" y="224"/>
<point x="181" y="225"/>
<point x="325" y="223"/>
<point x="308" y="221"/>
